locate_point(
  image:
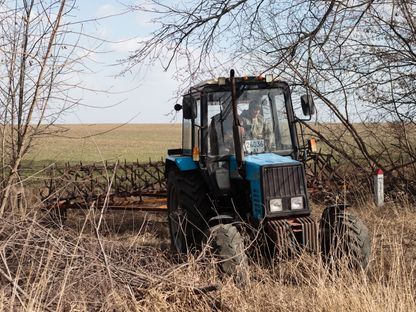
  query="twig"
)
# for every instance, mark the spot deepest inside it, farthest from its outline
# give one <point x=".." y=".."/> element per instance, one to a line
<point x="19" y="289"/>
<point x="97" y="228"/>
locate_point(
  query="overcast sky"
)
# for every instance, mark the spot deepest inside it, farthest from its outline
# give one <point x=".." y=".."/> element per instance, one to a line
<point x="135" y="97"/>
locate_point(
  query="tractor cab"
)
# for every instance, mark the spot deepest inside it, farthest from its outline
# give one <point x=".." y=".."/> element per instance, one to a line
<point x="264" y="113"/>
<point x="263" y="116"/>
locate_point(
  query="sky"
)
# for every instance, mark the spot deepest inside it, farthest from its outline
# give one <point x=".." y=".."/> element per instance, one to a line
<point x="136" y="97"/>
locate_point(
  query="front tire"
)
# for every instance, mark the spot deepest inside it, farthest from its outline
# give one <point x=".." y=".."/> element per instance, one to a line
<point x="228" y="246"/>
<point x="344" y="237"/>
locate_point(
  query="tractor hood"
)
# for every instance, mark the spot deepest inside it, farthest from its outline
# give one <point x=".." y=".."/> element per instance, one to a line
<point x="253" y="167"/>
<point x="253" y="163"/>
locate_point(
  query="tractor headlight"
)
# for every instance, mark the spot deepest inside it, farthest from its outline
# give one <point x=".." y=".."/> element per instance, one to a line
<point x="296" y="203"/>
<point x="276" y="205"/>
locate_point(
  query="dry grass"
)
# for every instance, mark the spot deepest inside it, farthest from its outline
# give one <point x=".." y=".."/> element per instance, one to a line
<point x="125" y="266"/>
<point x="98" y="142"/>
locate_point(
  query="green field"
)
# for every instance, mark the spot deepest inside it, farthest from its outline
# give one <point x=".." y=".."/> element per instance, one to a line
<point x="99" y="142"/>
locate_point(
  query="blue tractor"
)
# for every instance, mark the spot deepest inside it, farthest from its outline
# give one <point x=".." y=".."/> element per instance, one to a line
<point x="240" y="164"/>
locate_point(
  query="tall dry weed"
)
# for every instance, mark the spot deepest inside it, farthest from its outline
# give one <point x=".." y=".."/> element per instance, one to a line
<point x="73" y="269"/>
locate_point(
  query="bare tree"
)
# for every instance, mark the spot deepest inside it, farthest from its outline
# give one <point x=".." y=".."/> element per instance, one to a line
<point x="38" y="56"/>
<point x="358" y="57"/>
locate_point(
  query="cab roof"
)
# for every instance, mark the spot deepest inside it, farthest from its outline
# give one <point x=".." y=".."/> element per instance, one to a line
<point x="225" y="81"/>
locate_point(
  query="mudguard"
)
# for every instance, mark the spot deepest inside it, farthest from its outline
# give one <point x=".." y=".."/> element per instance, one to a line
<point x="182" y="163"/>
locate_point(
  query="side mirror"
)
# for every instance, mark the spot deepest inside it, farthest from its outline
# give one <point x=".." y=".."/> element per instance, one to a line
<point x="308" y="107"/>
<point x="177" y="107"/>
<point x="189" y="107"/>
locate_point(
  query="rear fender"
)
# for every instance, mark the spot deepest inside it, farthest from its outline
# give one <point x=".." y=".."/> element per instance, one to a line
<point x="180" y="163"/>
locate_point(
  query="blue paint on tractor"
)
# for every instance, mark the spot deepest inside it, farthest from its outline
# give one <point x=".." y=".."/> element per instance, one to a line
<point x="269" y="159"/>
<point x="184" y="163"/>
<point x="253" y="165"/>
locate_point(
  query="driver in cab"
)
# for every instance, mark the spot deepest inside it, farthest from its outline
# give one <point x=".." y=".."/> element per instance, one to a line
<point x="252" y="121"/>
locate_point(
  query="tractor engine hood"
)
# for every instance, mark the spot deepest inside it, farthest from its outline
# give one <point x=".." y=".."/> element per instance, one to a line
<point x="254" y="162"/>
<point x="274" y="177"/>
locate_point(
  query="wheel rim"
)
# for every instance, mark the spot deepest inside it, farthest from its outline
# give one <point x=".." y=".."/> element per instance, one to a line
<point x="177" y="222"/>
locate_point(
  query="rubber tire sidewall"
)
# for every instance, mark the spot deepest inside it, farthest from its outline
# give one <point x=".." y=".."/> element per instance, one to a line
<point x="228" y="246"/>
<point x="345" y="237"/>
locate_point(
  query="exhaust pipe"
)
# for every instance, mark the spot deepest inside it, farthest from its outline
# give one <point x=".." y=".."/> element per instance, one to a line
<point x="237" y="128"/>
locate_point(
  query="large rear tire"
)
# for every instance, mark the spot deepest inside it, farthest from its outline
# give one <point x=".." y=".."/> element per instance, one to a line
<point x="228" y="246"/>
<point x="188" y="210"/>
<point x="344" y="238"/>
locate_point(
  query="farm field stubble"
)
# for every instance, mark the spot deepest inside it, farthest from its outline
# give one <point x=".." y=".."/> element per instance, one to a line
<point x="99" y="142"/>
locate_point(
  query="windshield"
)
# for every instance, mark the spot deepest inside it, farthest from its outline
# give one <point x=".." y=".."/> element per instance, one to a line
<point x="262" y="115"/>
